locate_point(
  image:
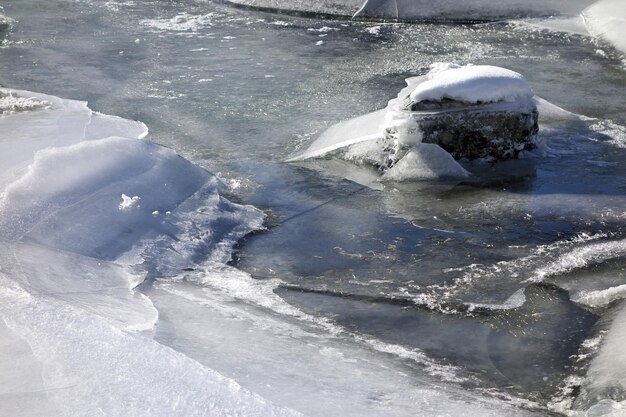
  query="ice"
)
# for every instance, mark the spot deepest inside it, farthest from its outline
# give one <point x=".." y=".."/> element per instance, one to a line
<point x="70" y="261"/>
<point x="424" y="9"/>
<point x="425" y="161"/>
<point x="601" y="298"/>
<point x="473" y="84"/>
<point x="467" y="10"/>
<point x="130" y="202"/>
<point x="346" y="133"/>
<point x="10" y="103"/>
<point x="182" y="22"/>
<point x="581" y="257"/>
<point x="253" y="345"/>
<point x="603" y="391"/>
<point x="91" y="367"/>
<point x="332" y="7"/>
<point x="607" y="19"/>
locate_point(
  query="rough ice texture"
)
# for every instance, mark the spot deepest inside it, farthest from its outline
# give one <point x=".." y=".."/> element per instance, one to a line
<point x="5" y="23"/>
<point x="69" y="316"/>
<point x="91" y="367"/>
<point x="473" y="84"/>
<point x="607" y="19"/>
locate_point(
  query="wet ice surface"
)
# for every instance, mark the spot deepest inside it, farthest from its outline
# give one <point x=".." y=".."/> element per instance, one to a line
<point x="436" y="269"/>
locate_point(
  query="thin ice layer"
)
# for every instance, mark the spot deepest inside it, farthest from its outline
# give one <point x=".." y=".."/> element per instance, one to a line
<point x="230" y="324"/>
<point x="332" y="7"/>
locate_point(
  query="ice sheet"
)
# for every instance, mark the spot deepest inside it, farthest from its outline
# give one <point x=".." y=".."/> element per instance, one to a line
<point x="467" y="10"/>
<point x="603" y="391"/>
<point x="607" y="19"/>
<point x="72" y="251"/>
<point x="91" y="367"/>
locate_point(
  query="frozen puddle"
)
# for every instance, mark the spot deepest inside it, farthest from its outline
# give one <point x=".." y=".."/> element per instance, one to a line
<point x="89" y="211"/>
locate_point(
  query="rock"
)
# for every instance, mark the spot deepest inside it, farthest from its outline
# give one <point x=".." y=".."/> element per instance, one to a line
<point x="497" y="131"/>
<point x="472" y="112"/>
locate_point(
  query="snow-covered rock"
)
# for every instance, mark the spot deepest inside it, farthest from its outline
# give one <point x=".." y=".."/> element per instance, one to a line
<point x="468" y="112"/>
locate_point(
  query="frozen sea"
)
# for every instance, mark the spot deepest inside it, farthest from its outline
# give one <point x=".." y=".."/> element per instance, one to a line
<point x="239" y="284"/>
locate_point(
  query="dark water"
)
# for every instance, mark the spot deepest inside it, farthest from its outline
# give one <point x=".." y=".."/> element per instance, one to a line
<point x="429" y="266"/>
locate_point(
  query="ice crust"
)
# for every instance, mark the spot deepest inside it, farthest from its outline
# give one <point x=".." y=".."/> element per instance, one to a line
<point x="425" y="161"/>
<point x="473" y="84"/>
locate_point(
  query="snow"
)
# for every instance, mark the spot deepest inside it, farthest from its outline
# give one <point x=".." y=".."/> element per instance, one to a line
<point x="473" y="84"/>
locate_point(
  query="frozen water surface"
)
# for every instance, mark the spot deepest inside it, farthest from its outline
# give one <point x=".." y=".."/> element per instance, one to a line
<point x="492" y="296"/>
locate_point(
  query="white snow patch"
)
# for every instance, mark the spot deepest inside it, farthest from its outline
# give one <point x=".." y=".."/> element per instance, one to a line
<point x="473" y="84"/>
<point x="129" y="202"/>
